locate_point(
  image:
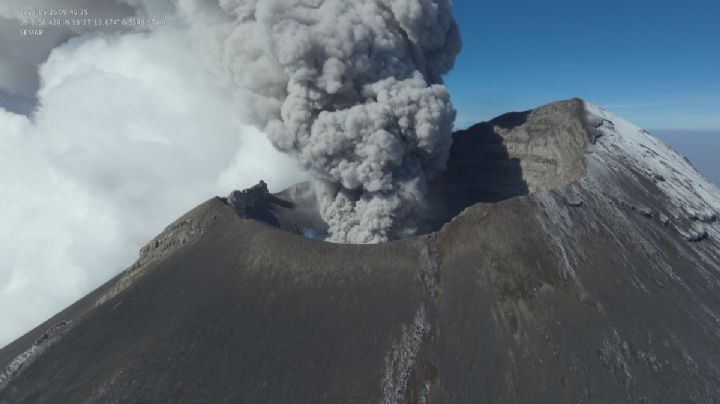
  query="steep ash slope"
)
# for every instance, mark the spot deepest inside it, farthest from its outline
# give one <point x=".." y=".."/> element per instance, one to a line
<point x="595" y="278"/>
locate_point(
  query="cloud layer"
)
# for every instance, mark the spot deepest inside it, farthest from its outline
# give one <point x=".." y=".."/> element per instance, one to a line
<point x="131" y="131"/>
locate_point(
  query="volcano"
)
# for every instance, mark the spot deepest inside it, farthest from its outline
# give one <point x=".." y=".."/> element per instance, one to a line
<point x="566" y="256"/>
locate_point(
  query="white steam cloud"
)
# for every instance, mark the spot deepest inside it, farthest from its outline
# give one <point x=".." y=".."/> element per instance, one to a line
<point x="351" y="89"/>
<point x="131" y="131"/>
<point x="21" y="56"/>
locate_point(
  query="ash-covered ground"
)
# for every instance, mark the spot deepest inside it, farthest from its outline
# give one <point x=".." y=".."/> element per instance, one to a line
<point x="568" y="256"/>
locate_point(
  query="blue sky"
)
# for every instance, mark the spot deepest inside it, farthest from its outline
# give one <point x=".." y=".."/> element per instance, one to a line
<point x="656" y="63"/>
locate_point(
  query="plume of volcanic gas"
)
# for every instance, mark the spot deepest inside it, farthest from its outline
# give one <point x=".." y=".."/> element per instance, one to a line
<point x="351" y="88"/>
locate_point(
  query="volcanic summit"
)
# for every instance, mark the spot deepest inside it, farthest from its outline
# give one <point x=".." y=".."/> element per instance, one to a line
<point x="566" y="256"/>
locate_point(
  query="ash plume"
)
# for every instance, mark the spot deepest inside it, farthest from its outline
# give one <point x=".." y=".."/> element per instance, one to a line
<point x="352" y="89"/>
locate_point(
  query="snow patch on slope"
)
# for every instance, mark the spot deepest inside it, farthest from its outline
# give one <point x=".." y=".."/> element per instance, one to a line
<point x="693" y="201"/>
<point x="400" y="362"/>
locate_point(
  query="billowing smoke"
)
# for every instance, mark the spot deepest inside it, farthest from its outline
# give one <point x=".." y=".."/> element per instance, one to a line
<point x="129" y="131"/>
<point x="352" y="89"/>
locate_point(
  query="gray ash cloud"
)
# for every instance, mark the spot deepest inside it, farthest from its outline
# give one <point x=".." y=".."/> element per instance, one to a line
<point x="352" y="89"/>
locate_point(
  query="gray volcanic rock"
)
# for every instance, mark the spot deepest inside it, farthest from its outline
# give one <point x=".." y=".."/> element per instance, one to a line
<point x="512" y="155"/>
<point x="293" y="210"/>
<point x="567" y="276"/>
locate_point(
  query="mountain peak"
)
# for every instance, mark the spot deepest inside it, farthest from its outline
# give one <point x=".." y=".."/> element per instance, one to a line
<point x="569" y="257"/>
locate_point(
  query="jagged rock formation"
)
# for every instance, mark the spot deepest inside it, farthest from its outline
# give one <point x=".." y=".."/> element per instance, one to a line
<point x="512" y="155"/>
<point x="583" y="266"/>
<point x="293" y="210"/>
